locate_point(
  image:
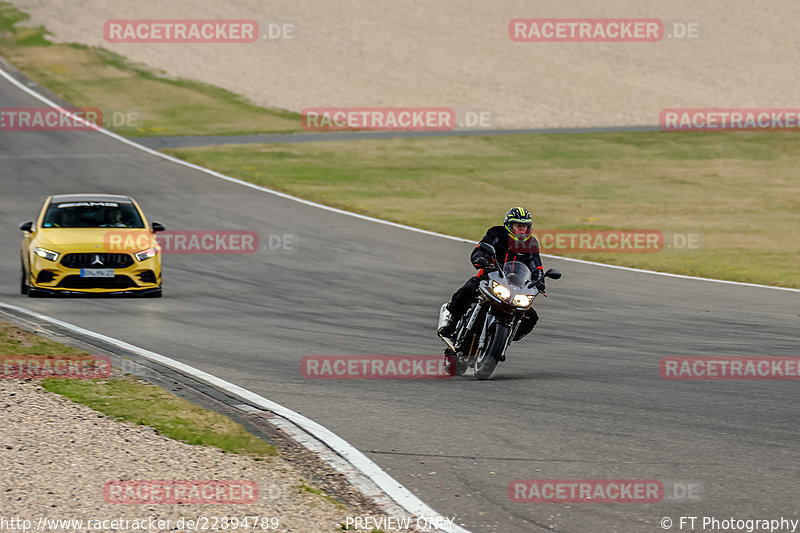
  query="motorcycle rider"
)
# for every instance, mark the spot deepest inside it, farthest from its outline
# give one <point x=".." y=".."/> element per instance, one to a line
<point x="513" y="241"/>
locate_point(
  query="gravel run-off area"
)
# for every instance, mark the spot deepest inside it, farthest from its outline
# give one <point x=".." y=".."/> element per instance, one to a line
<point x="458" y="54"/>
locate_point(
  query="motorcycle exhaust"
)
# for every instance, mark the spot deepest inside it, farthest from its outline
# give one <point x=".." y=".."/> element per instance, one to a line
<point x="444" y="317"/>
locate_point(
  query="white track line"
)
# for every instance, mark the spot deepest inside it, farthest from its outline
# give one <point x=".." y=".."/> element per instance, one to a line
<point x="356" y="215"/>
<point x="389" y="485"/>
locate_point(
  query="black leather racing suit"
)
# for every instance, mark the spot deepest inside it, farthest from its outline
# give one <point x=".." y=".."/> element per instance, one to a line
<point x="507" y="249"/>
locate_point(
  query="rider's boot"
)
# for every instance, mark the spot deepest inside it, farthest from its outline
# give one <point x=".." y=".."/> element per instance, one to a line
<point x="448" y="332"/>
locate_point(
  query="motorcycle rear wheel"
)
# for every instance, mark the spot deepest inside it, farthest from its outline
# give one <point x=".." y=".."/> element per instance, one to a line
<point x="456" y="365"/>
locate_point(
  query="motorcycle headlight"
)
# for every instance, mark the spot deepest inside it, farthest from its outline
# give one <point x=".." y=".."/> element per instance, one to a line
<point x="47" y="254"/>
<point x="145" y="254"/>
<point x="522" y="300"/>
<point x="501" y="291"/>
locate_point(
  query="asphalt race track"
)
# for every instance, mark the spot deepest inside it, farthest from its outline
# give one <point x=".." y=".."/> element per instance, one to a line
<point x="580" y="398"/>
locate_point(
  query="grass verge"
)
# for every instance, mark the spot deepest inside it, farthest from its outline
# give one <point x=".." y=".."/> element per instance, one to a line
<point x="738" y="190"/>
<point x="321" y="493"/>
<point x="134" y="100"/>
<point x="130" y="400"/>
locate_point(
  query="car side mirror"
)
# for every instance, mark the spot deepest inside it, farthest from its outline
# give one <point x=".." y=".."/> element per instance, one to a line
<point x="158" y="226"/>
<point x="487" y="248"/>
<point x="553" y="274"/>
<point x="26" y="226"/>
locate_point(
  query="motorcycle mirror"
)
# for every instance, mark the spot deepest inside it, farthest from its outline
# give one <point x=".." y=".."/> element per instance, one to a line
<point x="26" y="226"/>
<point x="552" y="273"/>
<point x="487" y="248"/>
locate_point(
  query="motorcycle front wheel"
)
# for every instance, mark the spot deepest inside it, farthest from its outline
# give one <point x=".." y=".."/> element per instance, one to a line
<point x="495" y="344"/>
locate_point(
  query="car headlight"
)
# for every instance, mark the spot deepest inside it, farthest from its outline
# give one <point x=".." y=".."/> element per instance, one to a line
<point x="145" y="254"/>
<point x="501" y="291"/>
<point x="522" y="300"/>
<point x="47" y="254"/>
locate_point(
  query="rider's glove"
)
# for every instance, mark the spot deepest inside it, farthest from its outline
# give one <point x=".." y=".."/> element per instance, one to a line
<point x="483" y="262"/>
<point x="539" y="281"/>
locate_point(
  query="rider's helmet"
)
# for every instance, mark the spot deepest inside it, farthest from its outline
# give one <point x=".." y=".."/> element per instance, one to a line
<point x="519" y="215"/>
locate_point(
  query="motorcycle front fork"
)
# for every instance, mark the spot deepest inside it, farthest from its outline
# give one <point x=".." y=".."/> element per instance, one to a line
<point x="472" y="316"/>
<point x="490" y="318"/>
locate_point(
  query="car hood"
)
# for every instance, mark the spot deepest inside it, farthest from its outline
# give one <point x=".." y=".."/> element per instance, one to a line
<point x="113" y="240"/>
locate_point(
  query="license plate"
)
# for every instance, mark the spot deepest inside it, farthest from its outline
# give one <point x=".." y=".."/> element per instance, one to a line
<point x="97" y="272"/>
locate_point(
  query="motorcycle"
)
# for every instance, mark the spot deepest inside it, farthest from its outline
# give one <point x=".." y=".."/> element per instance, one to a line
<point x="484" y="333"/>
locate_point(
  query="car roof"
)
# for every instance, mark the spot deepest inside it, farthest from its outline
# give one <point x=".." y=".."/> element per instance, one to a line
<point x="90" y="198"/>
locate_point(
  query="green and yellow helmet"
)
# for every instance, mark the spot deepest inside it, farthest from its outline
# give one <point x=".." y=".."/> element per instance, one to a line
<point x="519" y="215"/>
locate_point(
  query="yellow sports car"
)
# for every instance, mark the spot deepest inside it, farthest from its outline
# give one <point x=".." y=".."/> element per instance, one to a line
<point x="90" y="243"/>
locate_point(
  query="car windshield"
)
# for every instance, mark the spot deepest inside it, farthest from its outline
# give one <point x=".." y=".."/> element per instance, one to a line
<point x="517" y="273"/>
<point x="92" y="215"/>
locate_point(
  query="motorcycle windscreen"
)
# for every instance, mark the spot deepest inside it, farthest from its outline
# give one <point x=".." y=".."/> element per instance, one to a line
<point x="517" y="273"/>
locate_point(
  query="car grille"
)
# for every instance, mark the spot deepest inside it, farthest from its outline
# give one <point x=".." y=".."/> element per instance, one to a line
<point x="90" y="260"/>
<point x="77" y="282"/>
